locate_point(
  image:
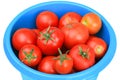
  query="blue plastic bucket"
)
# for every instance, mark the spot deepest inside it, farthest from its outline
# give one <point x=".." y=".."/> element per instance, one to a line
<point x="27" y="19"/>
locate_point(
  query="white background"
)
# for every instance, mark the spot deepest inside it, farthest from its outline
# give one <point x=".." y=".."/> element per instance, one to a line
<point x="110" y="9"/>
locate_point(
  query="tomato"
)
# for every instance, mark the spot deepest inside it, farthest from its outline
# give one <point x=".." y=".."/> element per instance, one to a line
<point x="73" y="71"/>
<point x="22" y="37"/>
<point x="45" y="19"/>
<point x="36" y="31"/>
<point x="83" y="56"/>
<point x="74" y="34"/>
<point x="47" y="65"/>
<point x="30" y="55"/>
<point x="99" y="46"/>
<point x="50" y="40"/>
<point x="92" y="21"/>
<point x="63" y="64"/>
<point x="69" y="18"/>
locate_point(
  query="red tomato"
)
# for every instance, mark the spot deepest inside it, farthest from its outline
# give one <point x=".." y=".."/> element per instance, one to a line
<point x="30" y="55"/>
<point x="63" y="64"/>
<point x="92" y="21"/>
<point x="36" y="31"/>
<point x="99" y="46"/>
<point x="83" y="56"/>
<point x="74" y="34"/>
<point x="45" y="19"/>
<point x="47" y="65"/>
<point x="69" y="18"/>
<point x="22" y="37"/>
<point x="50" y="40"/>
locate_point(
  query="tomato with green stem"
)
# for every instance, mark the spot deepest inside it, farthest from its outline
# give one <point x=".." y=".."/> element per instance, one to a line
<point x="83" y="56"/>
<point x="30" y="55"/>
<point x="49" y="40"/>
<point x="63" y="64"/>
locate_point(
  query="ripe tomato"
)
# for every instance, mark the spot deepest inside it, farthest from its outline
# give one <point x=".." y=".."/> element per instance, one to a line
<point x="99" y="46"/>
<point x="30" y="55"/>
<point x="50" y="40"/>
<point x="63" y="64"/>
<point x="22" y="37"/>
<point x="92" y="21"/>
<point x="83" y="56"/>
<point x="74" y="34"/>
<point x="45" y="19"/>
<point x="47" y="65"/>
<point x="36" y="31"/>
<point x="69" y="18"/>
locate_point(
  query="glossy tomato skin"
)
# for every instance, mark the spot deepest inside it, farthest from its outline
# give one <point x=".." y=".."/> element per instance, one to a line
<point x="65" y="67"/>
<point x="83" y="56"/>
<point x="22" y="37"/>
<point x="93" y="22"/>
<point x="47" y="65"/>
<point x="30" y="55"/>
<point x="45" y="19"/>
<point x="54" y="40"/>
<point x="74" y="34"/>
<point x="99" y="46"/>
<point x="69" y="18"/>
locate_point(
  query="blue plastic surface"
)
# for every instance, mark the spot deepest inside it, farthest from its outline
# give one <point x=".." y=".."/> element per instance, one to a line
<point x="90" y="77"/>
<point x="27" y="19"/>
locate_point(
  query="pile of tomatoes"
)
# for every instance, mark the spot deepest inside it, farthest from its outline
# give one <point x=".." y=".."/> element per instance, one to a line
<point x="61" y="45"/>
